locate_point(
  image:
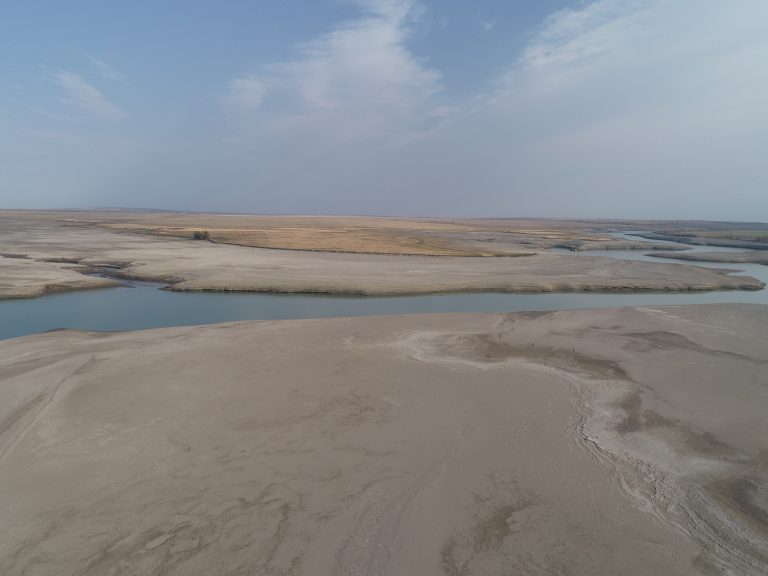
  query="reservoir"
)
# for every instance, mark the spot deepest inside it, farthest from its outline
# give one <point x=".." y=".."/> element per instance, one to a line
<point x="139" y="305"/>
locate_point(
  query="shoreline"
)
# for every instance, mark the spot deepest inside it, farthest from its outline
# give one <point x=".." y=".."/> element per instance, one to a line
<point x="559" y="289"/>
<point x="703" y="241"/>
<point x="108" y="276"/>
<point x="31" y="276"/>
<point x="753" y="257"/>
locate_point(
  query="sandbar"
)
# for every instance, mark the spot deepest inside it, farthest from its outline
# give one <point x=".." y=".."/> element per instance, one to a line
<point x="624" y="441"/>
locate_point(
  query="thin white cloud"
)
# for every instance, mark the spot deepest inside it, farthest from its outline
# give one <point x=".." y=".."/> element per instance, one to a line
<point x="631" y="107"/>
<point x="486" y="25"/>
<point x="245" y="94"/>
<point x="357" y="81"/>
<point x="635" y="61"/>
<point x="575" y="44"/>
<point x="103" y="69"/>
<point x="87" y="98"/>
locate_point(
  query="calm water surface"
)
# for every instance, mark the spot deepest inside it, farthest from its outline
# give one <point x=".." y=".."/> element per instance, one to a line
<point x="143" y="305"/>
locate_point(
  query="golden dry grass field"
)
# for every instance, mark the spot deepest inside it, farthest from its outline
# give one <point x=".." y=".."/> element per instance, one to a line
<point x="355" y="234"/>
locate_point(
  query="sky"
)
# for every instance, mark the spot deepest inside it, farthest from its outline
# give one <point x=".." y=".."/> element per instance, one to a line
<point x="445" y="108"/>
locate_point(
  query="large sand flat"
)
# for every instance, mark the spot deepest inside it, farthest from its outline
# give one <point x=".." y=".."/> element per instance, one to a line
<point x="627" y="441"/>
<point x="46" y="255"/>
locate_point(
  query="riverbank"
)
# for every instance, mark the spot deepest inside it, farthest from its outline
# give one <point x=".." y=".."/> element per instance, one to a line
<point x="608" y="441"/>
<point x="751" y="257"/>
<point x="711" y="240"/>
<point x="50" y="255"/>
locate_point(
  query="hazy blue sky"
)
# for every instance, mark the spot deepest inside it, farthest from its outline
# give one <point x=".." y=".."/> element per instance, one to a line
<point x="607" y="108"/>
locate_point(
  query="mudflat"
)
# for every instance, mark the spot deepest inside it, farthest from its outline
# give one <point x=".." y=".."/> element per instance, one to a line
<point x="753" y="257"/>
<point x="625" y="441"/>
<point x="44" y="253"/>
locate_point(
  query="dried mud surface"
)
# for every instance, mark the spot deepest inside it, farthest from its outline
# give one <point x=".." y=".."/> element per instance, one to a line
<point x="625" y="441"/>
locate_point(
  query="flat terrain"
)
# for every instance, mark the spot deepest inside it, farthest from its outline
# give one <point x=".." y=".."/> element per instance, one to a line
<point x="419" y="236"/>
<point x="627" y="441"/>
<point x="348" y="234"/>
<point x="46" y="252"/>
<point x="751" y="257"/>
<point x="732" y="235"/>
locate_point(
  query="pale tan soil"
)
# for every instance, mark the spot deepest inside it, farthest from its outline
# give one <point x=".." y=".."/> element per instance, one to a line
<point x="714" y="239"/>
<point x="627" y="441"/>
<point x="357" y="234"/>
<point x="752" y="257"/>
<point x="748" y="235"/>
<point x="51" y="249"/>
<point x="25" y="278"/>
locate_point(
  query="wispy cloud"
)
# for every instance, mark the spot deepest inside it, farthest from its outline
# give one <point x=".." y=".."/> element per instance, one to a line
<point x="625" y="103"/>
<point x="357" y="81"/>
<point x="86" y="97"/>
<point x="486" y="25"/>
<point x="103" y="69"/>
<point x="245" y="94"/>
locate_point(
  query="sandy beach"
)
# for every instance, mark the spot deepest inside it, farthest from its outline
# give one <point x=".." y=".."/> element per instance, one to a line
<point x="625" y="441"/>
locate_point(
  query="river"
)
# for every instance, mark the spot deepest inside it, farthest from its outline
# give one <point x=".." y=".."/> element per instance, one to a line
<point x="138" y="305"/>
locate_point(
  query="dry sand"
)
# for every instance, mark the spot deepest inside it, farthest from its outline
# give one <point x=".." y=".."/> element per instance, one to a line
<point x="50" y="252"/>
<point x="628" y="441"/>
<point x="27" y="278"/>
<point x="752" y="257"/>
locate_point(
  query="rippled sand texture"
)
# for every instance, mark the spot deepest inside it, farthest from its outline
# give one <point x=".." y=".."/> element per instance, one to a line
<point x="628" y="441"/>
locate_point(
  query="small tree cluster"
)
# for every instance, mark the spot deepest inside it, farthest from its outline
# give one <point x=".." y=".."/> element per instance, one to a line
<point x="201" y="235"/>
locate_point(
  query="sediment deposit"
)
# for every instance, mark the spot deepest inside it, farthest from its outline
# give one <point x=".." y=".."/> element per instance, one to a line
<point x="627" y="441"/>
